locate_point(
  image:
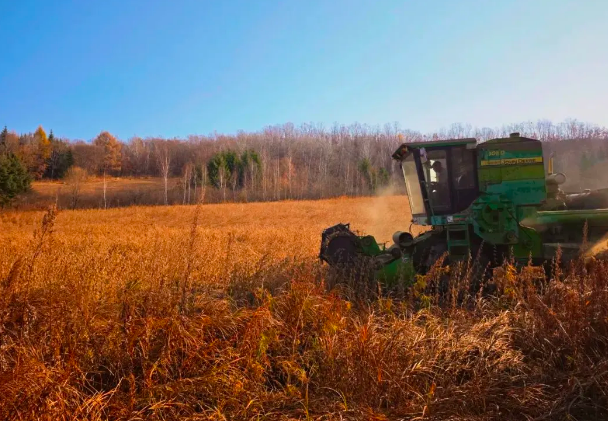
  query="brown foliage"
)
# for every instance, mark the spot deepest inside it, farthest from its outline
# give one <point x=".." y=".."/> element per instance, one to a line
<point x="297" y="162"/>
<point x="221" y="312"/>
<point x="111" y="155"/>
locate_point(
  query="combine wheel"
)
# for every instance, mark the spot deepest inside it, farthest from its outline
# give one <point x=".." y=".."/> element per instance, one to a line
<point x="349" y="267"/>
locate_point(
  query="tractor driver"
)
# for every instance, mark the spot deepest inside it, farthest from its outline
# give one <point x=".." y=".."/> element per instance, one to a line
<point x="440" y="191"/>
<point x="441" y="173"/>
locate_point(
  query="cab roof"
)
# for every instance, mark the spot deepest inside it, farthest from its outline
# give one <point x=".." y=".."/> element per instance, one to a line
<point x="404" y="149"/>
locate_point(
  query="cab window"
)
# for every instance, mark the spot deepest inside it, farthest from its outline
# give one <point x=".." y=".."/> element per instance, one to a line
<point x="436" y="177"/>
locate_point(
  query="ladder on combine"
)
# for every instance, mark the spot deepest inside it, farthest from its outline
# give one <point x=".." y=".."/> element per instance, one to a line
<point x="459" y="245"/>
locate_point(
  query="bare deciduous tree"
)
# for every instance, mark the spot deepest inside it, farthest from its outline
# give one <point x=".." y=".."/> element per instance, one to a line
<point x="187" y="181"/>
<point x="74" y="179"/>
<point x="303" y="162"/>
<point x="163" y="155"/>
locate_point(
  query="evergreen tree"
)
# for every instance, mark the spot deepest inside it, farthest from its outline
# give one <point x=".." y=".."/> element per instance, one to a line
<point x="228" y="168"/>
<point x="383" y="177"/>
<point x="61" y="159"/>
<point x="374" y="177"/>
<point x="218" y="171"/>
<point x="365" y="168"/>
<point x="14" y="178"/>
<point x="3" y="137"/>
<point x="585" y="163"/>
<point x="250" y="168"/>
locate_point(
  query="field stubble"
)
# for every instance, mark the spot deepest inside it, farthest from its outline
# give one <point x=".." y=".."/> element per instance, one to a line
<point x="220" y="312"/>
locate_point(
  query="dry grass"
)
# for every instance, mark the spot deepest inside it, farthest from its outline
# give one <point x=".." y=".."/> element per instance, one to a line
<point x="120" y="192"/>
<point x="220" y="312"/>
<point x="138" y="191"/>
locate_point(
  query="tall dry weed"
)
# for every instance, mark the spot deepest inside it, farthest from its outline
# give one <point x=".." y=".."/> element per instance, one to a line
<point x="103" y="319"/>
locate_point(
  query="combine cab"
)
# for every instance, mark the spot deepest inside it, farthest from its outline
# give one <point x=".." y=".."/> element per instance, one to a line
<point x="493" y="200"/>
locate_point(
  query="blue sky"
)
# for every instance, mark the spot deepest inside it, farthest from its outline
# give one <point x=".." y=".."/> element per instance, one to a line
<point x="173" y="68"/>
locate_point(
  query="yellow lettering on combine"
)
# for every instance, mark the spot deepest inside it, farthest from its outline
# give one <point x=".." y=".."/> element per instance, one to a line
<point x="491" y="162"/>
<point x="512" y="161"/>
<point x="496" y="153"/>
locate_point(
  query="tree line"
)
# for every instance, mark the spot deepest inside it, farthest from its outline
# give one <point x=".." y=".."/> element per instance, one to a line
<point x="286" y="161"/>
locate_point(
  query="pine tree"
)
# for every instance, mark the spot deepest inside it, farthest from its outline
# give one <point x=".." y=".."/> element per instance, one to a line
<point x="14" y="178"/>
<point x="218" y="171"/>
<point x="383" y="177"/>
<point x="3" y="137"/>
<point x="365" y="168"/>
<point x="61" y="159"/>
<point x="585" y="163"/>
<point x="249" y="169"/>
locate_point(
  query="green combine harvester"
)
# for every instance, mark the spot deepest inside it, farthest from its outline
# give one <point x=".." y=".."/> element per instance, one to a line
<point x="489" y="201"/>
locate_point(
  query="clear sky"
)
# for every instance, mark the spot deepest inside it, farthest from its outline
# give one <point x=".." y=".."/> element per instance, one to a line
<point x="173" y="68"/>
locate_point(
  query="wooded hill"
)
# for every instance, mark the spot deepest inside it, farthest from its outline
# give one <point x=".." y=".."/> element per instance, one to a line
<point x="286" y="161"/>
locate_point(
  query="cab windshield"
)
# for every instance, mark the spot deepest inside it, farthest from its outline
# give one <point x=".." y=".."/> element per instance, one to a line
<point x="436" y="180"/>
<point x="412" y="184"/>
<point x="449" y="179"/>
<point x="441" y="179"/>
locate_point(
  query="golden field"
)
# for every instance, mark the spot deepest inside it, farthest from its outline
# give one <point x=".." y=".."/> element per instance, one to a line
<point x="252" y="231"/>
<point x="222" y="312"/>
<point x="120" y="192"/>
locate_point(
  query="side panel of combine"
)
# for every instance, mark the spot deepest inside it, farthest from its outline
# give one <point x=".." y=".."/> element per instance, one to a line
<point x="513" y="168"/>
<point x="512" y="182"/>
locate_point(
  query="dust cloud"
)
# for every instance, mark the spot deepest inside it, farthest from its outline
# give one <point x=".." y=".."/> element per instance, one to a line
<point x="387" y="201"/>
